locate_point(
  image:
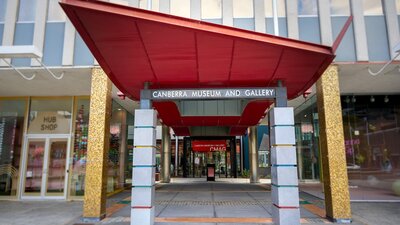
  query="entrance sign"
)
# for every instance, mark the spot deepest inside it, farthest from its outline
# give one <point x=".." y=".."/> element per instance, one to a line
<point x="232" y="93"/>
<point x="209" y="146"/>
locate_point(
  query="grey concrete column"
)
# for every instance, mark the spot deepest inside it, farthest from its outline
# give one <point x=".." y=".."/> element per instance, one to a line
<point x="253" y="155"/>
<point x="165" y="6"/>
<point x="259" y="16"/>
<point x="144" y="161"/>
<point x="324" y="11"/>
<point x="292" y="19"/>
<point x="227" y="12"/>
<point x="166" y="155"/>
<point x="360" y="34"/>
<point x="392" y="24"/>
<point x="40" y="27"/>
<point x="195" y="9"/>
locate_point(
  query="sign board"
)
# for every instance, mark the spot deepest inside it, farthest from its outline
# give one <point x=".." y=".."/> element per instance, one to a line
<point x="50" y="123"/>
<point x="204" y="94"/>
<point x="209" y="146"/>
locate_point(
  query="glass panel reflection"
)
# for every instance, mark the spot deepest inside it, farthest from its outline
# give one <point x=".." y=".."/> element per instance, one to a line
<point x="34" y="167"/>
<point x="56" y="168"/>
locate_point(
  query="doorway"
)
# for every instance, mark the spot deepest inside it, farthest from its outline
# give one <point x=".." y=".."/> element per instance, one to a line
<point x="46" y="172"/>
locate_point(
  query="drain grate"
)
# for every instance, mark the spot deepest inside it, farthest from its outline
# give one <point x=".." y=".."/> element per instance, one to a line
<point x="212" y="203"/>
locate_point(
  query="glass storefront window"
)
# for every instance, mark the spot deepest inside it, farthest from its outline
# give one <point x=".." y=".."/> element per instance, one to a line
<point x="307" y="140"/>
<point x="340" y="7"/>
<point x="281" y="7"/>
<point x="50" y="116"/>
<point x="3" y="6"/>
<point x="372" y="7"/>
<point x="372" y="138"/>
<point x="211" y="9"/>
<point x="27" y="10"/>
<point x="180" y="8"/>
<point x="117" y="153"/>
<point x="243" y="9"/>
<point x="307" y="7"/>
<point x="77" y="170"/>
<point x="12" y="116"/>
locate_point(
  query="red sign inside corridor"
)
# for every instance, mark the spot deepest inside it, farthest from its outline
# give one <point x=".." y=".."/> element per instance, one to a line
<point x="209" y="146"/>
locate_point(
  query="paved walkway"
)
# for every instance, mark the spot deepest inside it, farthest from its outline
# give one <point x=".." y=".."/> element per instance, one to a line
<point x="193" y="201"/>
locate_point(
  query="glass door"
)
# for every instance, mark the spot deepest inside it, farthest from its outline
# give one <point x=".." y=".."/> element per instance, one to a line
<point x="34" y="167"/>
<point x="46" y="168"/>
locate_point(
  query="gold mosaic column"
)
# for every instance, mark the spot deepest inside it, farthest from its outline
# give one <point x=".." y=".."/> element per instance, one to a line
<point x="337" y="198"/>
<point x="94" y="206"/>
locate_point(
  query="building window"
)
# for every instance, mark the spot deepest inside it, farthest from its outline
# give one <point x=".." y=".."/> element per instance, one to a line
<point x="281" y="7"/>
<point x="180" y="8"/>
<point x="55" y="13"/>
<point x="78" y="166"/>
<point x="12" y="116"/>
<point x="243" y="9"/>
<point x="27" y="10"/>
<point x="340" y="8"/>
<point x="3" y="5"/>
<point x="372" y="7"/>
<point x="211" y="9"/>
<point x="307" y="8"/>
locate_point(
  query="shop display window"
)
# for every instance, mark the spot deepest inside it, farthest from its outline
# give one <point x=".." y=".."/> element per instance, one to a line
<point x="77" y="184"/>
<point x="12" y="116"/>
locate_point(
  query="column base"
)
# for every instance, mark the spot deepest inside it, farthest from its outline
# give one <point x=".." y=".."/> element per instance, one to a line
<point x="341" y="220"/>
<point x="93" y="219"/>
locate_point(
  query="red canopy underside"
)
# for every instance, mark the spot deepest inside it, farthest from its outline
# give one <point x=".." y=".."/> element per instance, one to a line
<point x="134" y="46"/>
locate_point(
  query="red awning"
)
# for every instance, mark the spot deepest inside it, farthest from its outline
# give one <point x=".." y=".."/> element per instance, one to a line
<point x="134" y="46"/>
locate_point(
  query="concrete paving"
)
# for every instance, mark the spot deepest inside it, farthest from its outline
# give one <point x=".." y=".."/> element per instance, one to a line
<point x="192" y="202"/>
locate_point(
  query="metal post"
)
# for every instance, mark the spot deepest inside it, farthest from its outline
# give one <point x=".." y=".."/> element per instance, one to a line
<point x="176" y="155"/>
<point x="253" y="155"/>
<point x="166" y="155"/>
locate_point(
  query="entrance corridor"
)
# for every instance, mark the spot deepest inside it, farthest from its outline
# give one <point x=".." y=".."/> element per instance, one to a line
<point x="225" y="201"/>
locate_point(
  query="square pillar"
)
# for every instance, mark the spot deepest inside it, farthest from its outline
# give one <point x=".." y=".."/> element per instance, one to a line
<point x="253" y="155"/>
<point x="144" y="163"/>
<point x="166" y="155"/>
<point x="285" y="190"/>
<point x="94" y="205"/>
<point x="336" y="187"/>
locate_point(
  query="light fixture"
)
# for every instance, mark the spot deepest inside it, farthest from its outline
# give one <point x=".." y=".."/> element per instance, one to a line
<point x="372" y="99"/>
<point x="353" y="99"/>
<point x="386" y="99"/>
<point x="24" y="51"/>
<point x="396" y="49"/>
<point x="347" y="99"/>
